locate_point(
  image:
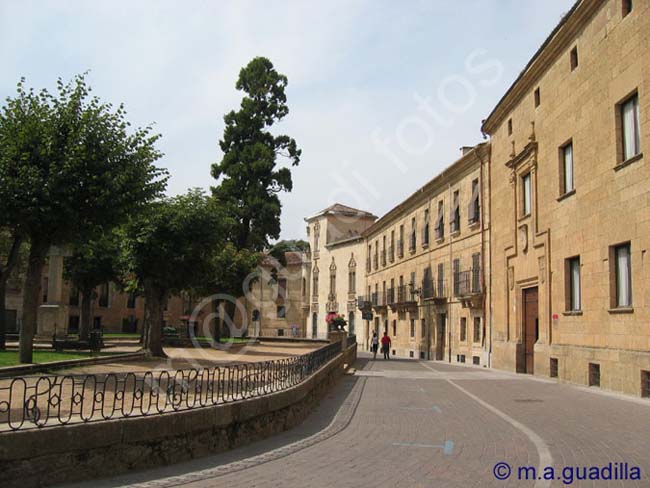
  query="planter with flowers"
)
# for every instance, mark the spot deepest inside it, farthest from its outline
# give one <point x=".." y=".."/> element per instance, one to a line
<point x="336" y="321"/>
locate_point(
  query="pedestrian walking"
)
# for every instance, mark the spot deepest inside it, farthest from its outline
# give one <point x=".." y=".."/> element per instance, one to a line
<point x="385" y="345"/>
<point x="374" y="345"/>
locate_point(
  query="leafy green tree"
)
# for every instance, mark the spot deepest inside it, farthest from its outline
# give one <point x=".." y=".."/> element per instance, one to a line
<point x="169" y="249"/>
<point x="68" y="163"/>
<point x="279" y="248"/>
<point x="94" y="261"/>
<point x="248" y="175"/>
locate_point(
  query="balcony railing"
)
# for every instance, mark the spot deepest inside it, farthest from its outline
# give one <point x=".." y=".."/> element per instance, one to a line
<point x="405" y="295"/>
<point x="390" y="296"/>
<point x="364" y="302"/>
<point x="468" y="283"/>
<point x="434" y="289"/>
<point x="378" y="299"/>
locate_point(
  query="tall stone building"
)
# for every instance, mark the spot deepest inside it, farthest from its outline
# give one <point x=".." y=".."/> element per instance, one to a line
<point x="425" y="267"/>
<point x="570" y="206"/>
<point x="336" y="268"/>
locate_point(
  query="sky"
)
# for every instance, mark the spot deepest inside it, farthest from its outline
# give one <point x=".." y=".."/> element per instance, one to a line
<point x="382" y="94"/>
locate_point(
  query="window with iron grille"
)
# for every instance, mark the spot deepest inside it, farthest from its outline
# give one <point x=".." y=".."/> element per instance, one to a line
<point x="412" y="328"/>
<point x="477" y="329"/>
<point x="463" y="329"/>
<point x="553" y="369"/>
<point x="476" y="272"/>
<point x="594" y="374"/>
<point x="476" y="360"/>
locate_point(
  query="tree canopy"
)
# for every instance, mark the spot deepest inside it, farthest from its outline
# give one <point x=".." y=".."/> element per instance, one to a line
<point x="69" y="163"/>
<point x="248" y="174"/>
<point x="170" y="248"/>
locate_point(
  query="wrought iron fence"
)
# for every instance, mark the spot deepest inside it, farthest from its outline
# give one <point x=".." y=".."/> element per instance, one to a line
<point x="45" y="401"/>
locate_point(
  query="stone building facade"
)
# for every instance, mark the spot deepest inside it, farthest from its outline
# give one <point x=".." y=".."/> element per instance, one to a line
<point x="571" y="203"/>
<point x="278" y="302"/>
<point x="336" y="270"/>
<point x="425" y="265"/>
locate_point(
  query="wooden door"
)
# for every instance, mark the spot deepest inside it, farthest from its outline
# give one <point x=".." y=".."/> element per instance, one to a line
<point x="530" y="328"/>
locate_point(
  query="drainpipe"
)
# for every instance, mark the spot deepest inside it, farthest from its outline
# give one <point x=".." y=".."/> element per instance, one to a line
<point x="451" y="269"/>
<point x="488" y="327"/>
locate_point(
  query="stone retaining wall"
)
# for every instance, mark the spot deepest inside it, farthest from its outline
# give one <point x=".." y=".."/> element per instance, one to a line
<point x="83" y="451"/>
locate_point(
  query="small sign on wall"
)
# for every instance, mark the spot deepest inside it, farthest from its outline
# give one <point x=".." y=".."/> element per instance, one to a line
<point x="556" y="318"/>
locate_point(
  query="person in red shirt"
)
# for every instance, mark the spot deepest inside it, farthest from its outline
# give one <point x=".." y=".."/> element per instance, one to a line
<point x="385" y="345"/>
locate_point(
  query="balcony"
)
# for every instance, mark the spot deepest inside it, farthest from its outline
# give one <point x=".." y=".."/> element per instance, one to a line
<point x="364" y="303"/>
<point x="378" y="300"/>
<point x="405" y="297"/>
<point x="390" y="297"/>
<point x="468" y="287"/>
<point x="434" y="289"/>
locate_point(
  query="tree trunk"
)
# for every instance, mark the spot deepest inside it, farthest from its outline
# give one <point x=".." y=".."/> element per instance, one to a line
<point x="216" y="326"/>
<point x="154" y="302"/>
<point x="5" y="273"/>
<point x="85" y="322"/>
<point x="229" y="309"/>
<point x="3" y="314"/>
<point x="31" y="295"/>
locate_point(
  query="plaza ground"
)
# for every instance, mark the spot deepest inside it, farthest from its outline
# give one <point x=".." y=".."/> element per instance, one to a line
<point x="430" y="424"/>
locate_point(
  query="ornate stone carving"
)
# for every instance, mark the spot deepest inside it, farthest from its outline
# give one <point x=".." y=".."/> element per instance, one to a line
<point x="523" y="237"/>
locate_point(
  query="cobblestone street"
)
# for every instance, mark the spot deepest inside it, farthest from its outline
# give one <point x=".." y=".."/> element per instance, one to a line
<point x="424" y="424"/>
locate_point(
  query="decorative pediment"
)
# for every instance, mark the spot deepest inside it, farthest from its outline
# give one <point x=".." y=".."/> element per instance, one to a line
<point x="333" y="265"/>
<point x="352" y="264"/>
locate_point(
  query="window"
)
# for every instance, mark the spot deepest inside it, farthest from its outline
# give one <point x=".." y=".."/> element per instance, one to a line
<point x="477" y="329"/>
<point x="351" y="323"/>
<point x="574" y="58"/>
<point x="73" y="324"/>
<point x="332" y="282"/>
<point x="509" y="127"/>
<point x="304" y="287"/>
<point x="566" y="168"/>
<point x="103" y="295"/>
<point x="424" y="327"/>
<point x="280" y="332"/>
<point x="572" y="280"/>
<point x="412" y="328"/>
<point x="282" y="288"/>
<point x="74" y="297"/>
<point x="394" y="328"/>
<point x="130" y="300"/>
<point x="352" y="281"/>
<point x="537" y="98"/>
<point x="391" y="250"/>
<point x="463" y="329"/>
<point x="474" y="207"/>
<point x="400" y="242"/>
<point x="454" y="216"/>
<point x="631" y="131"/>
<point x="456" y="265"/>
<point x="412" y="240"/>
<point x="627" y="7"/>
<point x="594" y="374"/>
<point x="622" y="278"/>
<point x="255" y="317"/>
<point x="441" y="279"/>
<point x="316" y="236"/>
<point x="425" y="230"/>
<point x="314" y="286"/>
<point x="440" y="221"/>
<point x="281" y="312"/>
<point x="527" y="197"/>
<point x="476" y="360"/>
<point x="553" y="368"/>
